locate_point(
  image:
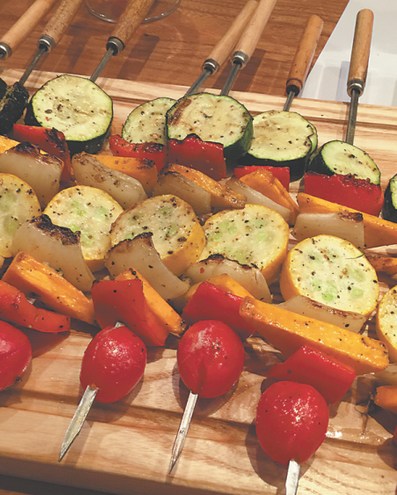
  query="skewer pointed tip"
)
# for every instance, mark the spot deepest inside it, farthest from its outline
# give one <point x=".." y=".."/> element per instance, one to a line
<point x="78" y="419"/>
<point x="182" y="431"/>
<point x="292" y="481"/>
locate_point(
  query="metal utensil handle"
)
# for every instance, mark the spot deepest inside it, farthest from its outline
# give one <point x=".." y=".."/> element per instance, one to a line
<point x="59" y="22"/>
<point x="360" y="51"/>
<point x="18" y="32"/>
<point x="304" y="55"/>
<point x="226" y="44"/>
<point x="253" y="31"/>
<point x="130" y="20"/>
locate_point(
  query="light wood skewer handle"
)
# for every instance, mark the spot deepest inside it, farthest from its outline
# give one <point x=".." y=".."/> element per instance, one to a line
<point x="304" y="54"/>
<point x="18" y="32"/>
<point x="254" y="29"/>
<point x="131" y="19"/>
<point x="60" y="21"/>
<point x="223" y="48"/>
<point x="360" y="51"/>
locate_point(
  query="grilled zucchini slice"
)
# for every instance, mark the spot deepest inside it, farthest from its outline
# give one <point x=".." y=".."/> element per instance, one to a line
<point x="255" y="236"/>
<point x="91" y="212"/>
<point x="13" y="101"/>
<point x="338" y="157"/>
<point x="146" y="123"/>
<point x="386" y="322"/>
<point x="75" y="106"/>
<point x="389" y="210"/>
<point x="219" y="119"/>
<point x="282" y="139"/>
<point x="331" y="271"/>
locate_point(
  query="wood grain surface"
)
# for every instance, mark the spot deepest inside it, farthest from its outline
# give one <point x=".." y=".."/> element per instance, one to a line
<point x="172" y="50"/>
<point x="124" y="448"/>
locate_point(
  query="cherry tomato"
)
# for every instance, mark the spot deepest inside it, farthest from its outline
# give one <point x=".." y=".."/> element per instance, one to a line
<point x="15" y="354"/>
<point x="291" y="421"/>
<point x="210" y="358"/>
<point x="114" y="362"/>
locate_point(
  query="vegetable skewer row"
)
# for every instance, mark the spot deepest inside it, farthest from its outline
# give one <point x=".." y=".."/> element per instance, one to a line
<point x="143" y="133"/>
<point x="77" y="106"/>
<point x="339" y="171"/>
<point x="15" y="97"/>
<point x="271" y="143"/>
<point x="194" y="136"/>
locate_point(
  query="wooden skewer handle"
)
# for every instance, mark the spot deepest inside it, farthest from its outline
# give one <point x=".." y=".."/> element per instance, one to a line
<point x="254" y="29"/>
<point x="17" y="33"/>
<point x="60" y="21"/>
<point x="360" y="51"/>
<point x="224" y="47"/>
<point x="131" y="19"/>
<point x="304" y="54"/>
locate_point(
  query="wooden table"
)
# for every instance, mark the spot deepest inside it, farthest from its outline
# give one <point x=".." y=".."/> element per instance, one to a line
<point x="170" y="51"/>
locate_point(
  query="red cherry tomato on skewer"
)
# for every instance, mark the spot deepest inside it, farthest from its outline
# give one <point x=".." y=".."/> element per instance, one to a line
<point x="210" y="358"/>
<point x="291" y="421"/>
<point x="15" y="354"/>
<point x="114" y="362"/>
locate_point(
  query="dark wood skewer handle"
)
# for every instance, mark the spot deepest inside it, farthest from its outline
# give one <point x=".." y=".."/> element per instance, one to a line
<point x="59" y="22"/>
<point x="304" y="55"/>
<point x="360" y="52"/>
<point x="132" y="17"/>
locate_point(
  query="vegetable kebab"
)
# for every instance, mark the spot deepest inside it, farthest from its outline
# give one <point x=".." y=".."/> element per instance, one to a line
<point x="339" y="171"/>
<point x="78" y="107"/>
<point x="143" y="133"/>
<point x="15" y="98"/>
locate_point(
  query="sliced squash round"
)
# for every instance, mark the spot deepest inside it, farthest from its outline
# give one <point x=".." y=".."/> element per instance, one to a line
<point x="177" y="234"/>
<point x="255" y="236"/>
<point x="386" y="322"/>
<point x="91" y="212"/>
<point x="331" y="271"/>
<point x="18" y="203"/>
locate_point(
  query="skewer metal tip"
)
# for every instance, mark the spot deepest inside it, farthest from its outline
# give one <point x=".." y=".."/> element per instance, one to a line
<point x="182" y="431"/>
<point x="78" y="419"/>
<point x="292" y="481"/>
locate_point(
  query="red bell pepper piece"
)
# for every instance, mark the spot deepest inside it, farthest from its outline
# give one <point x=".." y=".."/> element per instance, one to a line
<point x="49" y="140"/>
<point x="281" y="173"/>
<point x="15" y="308"/>
<point x="123" y="301"/>
<point x="313" y="367"/>
<point x="345" y="190"/>
<point x="210" y="302"/>
<point x="201" y="155"/>
<point x="155" y="152"/>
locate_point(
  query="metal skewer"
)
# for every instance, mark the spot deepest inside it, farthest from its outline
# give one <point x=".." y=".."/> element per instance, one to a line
<point x="292" y="481"/>
<point x="132" y="17"/>
<point x="358" y="67"/>
<point x="52" y="33"/>
<point x="303" y="59"/>
<point x="248" y="41"/>
<point x="182" y="430"/>
<point x="78" y="419"/>
<point x="17" y="33"/>
<point x="242" y="54"/>
<point x="224" y="47"/>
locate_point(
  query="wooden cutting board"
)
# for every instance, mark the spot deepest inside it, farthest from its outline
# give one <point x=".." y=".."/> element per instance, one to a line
<point x="125" y="448"/>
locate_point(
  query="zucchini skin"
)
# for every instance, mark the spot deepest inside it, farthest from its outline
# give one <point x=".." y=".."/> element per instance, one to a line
<point x="12" y="104"/>
<point x="259" y="155"/>
<point x="389" y="211"/>
<point x="90" y="144"/>
<point x="319" y="165"/>
<point x="231" y="152"/>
